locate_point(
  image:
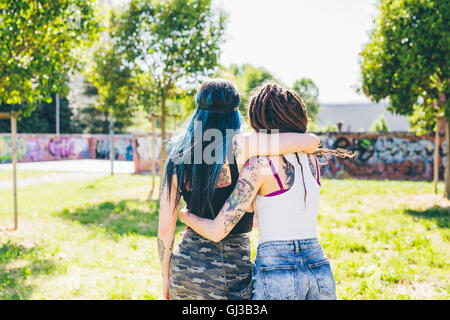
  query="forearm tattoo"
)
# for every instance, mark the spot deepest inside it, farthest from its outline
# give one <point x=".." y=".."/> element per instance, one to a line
<point x="243" y="193"/>
<point x="162" y="248"/>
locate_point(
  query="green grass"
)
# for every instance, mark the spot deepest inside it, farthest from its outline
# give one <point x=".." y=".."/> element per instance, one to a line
<point x="386" y="239"/>
<point x="7" y="174"/>
<point x="96" y="239"/>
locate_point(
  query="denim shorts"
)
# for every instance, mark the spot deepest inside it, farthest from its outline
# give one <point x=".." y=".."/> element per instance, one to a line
<point x="292" y="270"/>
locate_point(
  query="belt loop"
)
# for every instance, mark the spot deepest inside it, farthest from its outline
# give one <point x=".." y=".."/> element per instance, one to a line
<point x="296" y="247"/>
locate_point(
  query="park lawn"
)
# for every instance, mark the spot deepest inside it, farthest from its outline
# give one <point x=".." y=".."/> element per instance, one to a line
<point x="96" y="239"/>
<point x="7" y="174"/>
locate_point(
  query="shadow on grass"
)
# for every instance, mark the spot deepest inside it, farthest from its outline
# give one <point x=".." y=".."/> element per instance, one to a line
<point x="98" y="181"/>
<point x="17" y="264"/>
<point x="437" y="214"/>
<point x="124" y="217"/>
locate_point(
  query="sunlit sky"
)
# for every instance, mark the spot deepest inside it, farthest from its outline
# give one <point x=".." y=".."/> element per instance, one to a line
<point x="319" y="39"/>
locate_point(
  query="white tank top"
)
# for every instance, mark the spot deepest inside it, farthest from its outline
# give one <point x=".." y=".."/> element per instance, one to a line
<point x="285" y="216"/>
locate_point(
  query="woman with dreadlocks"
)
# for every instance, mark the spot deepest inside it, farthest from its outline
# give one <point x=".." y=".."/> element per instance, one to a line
<point x="284" y="190"/>
<point x="204" y="174"/>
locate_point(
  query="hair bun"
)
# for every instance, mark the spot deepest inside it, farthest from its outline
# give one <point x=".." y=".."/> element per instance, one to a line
<point x="218" y="95"/>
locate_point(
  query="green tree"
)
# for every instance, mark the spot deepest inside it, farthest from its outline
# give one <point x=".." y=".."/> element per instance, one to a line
<point x="42" y="118"/>
<point x="309" y="92"/>
<point x="40" y="43"/>
<point x="247" y="78"/>
<point x="91" y="119"/>
<point x="112" y="80"/>
<point x="406" y="60"/>
<point x="330" y="127"/>
<point x="379" y="125"/>
<point x="168" y="43"/>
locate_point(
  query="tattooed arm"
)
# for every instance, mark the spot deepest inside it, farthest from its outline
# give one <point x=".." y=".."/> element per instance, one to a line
<point x="251" y="144"/>
<point x="250" y="180"/>
<point x="166" y="230"/>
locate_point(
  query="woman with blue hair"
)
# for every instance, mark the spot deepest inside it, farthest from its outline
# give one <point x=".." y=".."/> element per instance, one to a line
<point x="204" y="173"/>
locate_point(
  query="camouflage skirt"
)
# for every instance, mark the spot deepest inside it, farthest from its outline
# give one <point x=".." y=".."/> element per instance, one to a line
<point x="201" y="269"/>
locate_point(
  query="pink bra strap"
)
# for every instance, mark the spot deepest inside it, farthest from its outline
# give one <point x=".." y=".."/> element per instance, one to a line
<point x="275" y="174"/>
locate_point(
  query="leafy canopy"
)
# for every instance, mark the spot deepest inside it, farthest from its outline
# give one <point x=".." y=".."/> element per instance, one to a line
<point x="40" y="42"/>
<point x="112" y="78"/>
<point x="309" y="92"/>
<point x="407" y="56"/>
<point x="247" y="78"/>
<point x="170" y="42"/>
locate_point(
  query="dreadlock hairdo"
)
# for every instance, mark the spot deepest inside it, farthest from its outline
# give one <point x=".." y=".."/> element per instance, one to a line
<point x="275" y="108"/>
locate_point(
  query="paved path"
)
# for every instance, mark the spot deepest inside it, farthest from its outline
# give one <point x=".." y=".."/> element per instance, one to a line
<point x="97" y="166"/>
<point x="66" y="170"/>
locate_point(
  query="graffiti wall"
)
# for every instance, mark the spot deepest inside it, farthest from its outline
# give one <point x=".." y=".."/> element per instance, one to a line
<point x="123" y="148"/>
<point x="399" y="156"/>
<point x="145" y="154"/>
<point x="46" y="147"/>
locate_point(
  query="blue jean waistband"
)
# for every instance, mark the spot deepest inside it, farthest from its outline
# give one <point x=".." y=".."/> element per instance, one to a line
<point x="290" y="244"/>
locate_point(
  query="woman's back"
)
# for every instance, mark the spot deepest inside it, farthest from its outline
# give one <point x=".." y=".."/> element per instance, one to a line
<point x="224" y="187"/>
<point x="290" y="263"/>
<point x="289" y="213"/>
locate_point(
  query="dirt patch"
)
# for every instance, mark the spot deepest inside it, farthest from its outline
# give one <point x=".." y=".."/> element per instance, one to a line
<point x="418" y="290"/>
<point x="424" y="201"/>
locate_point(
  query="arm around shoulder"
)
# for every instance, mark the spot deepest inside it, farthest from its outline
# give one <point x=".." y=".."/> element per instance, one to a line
<point x="251" y="144"/>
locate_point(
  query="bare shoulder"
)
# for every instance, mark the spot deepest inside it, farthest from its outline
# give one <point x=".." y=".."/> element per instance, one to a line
<point x="255" y="168"/>
<point x="257" y="162"/>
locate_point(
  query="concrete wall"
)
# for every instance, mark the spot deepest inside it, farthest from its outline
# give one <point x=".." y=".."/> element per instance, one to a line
<point x="399" y="156"/>
<point x="47" y="147"/>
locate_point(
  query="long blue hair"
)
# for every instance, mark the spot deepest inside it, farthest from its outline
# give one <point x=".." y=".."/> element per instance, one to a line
<point x="217" y="103"/>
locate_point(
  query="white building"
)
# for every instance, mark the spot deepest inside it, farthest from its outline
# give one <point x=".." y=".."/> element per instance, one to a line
<point x="360" y="116"/>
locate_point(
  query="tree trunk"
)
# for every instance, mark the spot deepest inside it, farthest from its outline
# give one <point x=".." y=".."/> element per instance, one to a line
<point x="447" y="158"/>
<point x="111" y="141"/>
<point x="14" y="162"/>
<point x="436" y="155"/>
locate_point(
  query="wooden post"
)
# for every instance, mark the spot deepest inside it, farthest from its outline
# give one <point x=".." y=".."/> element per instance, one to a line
<point x="447" y="158"/>
<point x="13" y="117"/>
<point x="162" y="156"/>
<point x="153" y="117"/>
<point x="57" y="114"/>
<point x="153" y="153"/>
<point x="111" y="144"/>
<point x="14" y="161"/>
<point x="436" y="154"/>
